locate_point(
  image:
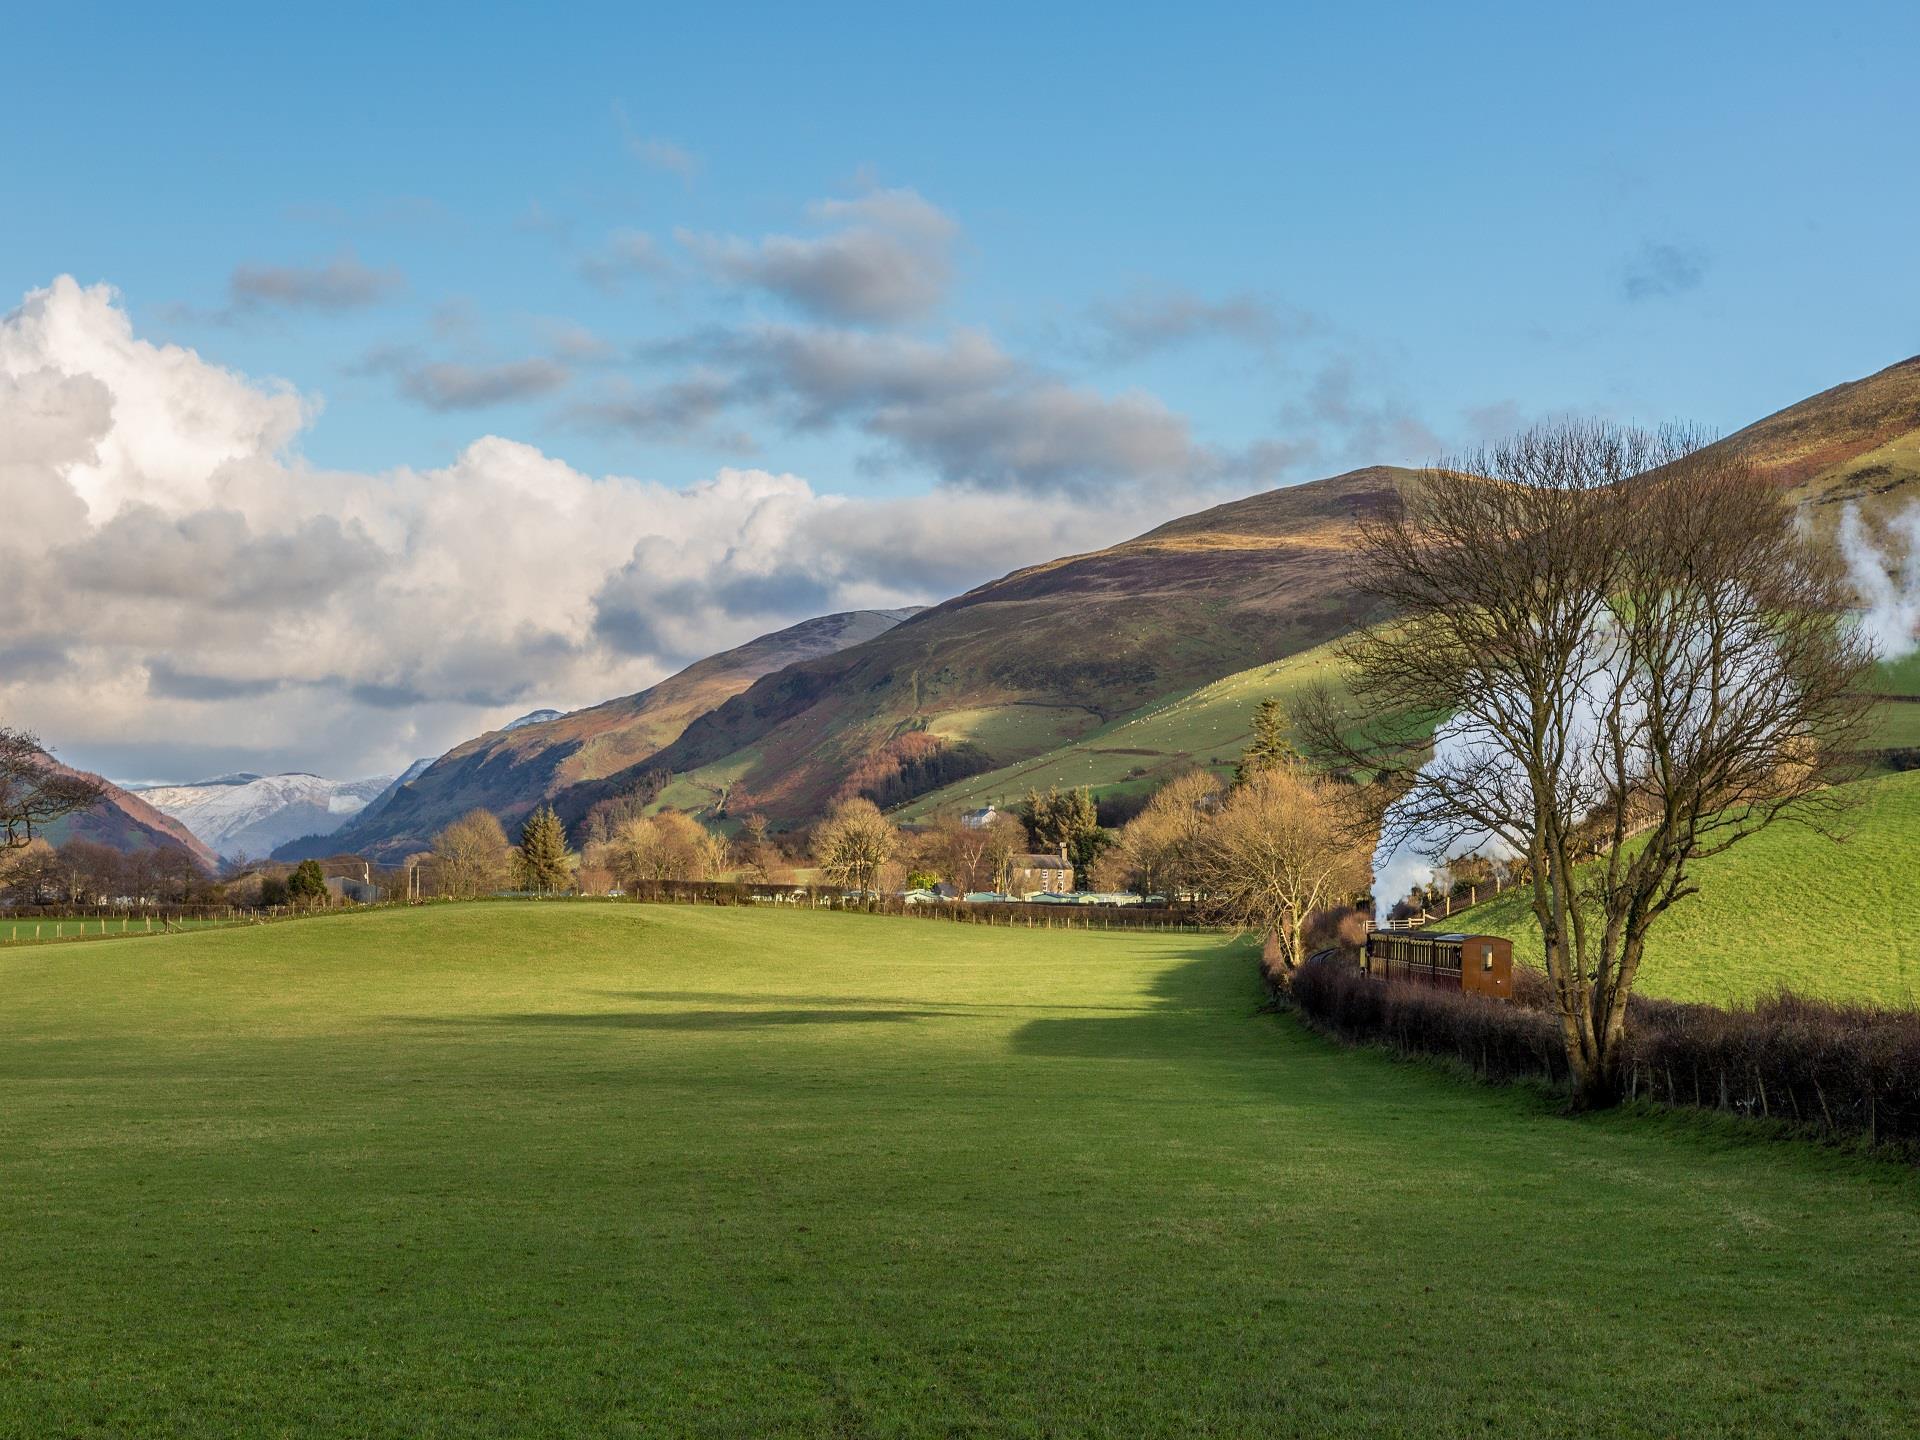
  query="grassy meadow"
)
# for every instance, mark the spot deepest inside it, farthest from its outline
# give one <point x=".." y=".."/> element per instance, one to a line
<point x="574" y="1169"/>
<point x="1789" y="907"/>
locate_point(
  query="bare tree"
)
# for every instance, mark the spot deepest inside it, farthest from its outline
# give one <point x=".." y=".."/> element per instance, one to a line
<point x="36" y="790"/>
<point x="1638" y="660"/>
<point x="854" y="844"/>
<point x="1163" y="847"/>
<point x="1279" y="850"/>
<point x="672" y="845"/>
<point x="473" y="855"/>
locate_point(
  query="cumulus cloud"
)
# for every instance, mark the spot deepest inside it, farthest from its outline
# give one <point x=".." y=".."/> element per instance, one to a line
<point x="1658" y="271"/>
<point x="210" y="600"/>
<point x="885" y="256"/>
<point x="342" y="283"/>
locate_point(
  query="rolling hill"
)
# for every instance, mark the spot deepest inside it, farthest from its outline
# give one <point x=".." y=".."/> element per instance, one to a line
<point x="510" y="771"/>
<point x="1040" y="658"/>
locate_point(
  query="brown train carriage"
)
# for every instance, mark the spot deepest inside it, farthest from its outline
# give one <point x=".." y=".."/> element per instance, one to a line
<point x="1477" y="964"/>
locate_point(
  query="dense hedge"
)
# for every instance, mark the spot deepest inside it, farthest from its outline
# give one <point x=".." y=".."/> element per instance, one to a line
<point x="1501" y="1042"/>
<point x="1837" y="1069"/>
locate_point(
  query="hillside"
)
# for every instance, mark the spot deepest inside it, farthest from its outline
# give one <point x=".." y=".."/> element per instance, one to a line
<point x="1788" y="907"/>
<point x="511" y="771"/>
<point x="1858" y="442"/>
<point x="1040" y="658"/>
<point x="1207" y="728"/>
<point x="125" y="822"/>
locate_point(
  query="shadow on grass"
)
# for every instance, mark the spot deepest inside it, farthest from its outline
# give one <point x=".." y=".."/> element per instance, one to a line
<point x="945" y="1007"/>
<point x="685" y="1020"/>
<point x="1212" y="986"/>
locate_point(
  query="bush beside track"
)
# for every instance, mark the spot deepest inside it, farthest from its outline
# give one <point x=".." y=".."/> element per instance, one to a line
<point x="1836" y="1070"/>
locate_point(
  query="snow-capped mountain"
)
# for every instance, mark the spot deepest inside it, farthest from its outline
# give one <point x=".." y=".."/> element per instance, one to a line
<point x="247" y="814"/>
<point x="532" y="717"/>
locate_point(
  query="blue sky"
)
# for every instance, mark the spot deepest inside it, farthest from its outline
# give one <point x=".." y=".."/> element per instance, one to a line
<point x="1459" y="200"/>
<point x="430" y="364"/>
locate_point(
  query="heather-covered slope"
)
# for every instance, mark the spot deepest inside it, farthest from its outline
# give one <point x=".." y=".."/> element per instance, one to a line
<point x="1857" y="442"/>
<point x="511" y="771"/>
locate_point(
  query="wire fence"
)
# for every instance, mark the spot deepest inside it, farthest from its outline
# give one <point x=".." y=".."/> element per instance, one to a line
<point x="1017" y="913"/>
<point x="45" y="924"/>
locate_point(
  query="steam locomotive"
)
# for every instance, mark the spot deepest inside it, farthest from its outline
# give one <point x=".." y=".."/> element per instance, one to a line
<point x="1477" y="964"/>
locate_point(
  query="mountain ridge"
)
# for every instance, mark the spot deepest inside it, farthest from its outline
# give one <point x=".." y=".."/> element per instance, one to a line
<point x="1048" y="651"/>
<point x="510" y="771"/>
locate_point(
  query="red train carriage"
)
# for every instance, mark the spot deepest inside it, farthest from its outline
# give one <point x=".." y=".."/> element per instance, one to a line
<point x="1477" y="964"/>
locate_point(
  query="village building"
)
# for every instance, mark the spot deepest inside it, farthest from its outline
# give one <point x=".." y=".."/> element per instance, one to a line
<point x="1039" y="875"/>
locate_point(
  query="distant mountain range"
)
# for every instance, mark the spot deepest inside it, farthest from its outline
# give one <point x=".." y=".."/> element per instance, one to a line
<point x="515" y="768"/>
<point x="1031" y="663"/>
<point x="246" y="814"/>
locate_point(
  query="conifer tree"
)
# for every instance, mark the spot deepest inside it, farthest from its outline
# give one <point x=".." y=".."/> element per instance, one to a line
<point x="1065" y="823"/>
<point x="544" y="862"/>
<point x="1271" y="748"/>
<point x="308" y="884"/>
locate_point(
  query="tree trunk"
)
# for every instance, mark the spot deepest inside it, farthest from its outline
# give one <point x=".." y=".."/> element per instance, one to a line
<point x="1598" y="1066"/>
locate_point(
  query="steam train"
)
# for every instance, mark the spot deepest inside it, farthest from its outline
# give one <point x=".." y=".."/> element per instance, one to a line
<point x="1477" y="964"/>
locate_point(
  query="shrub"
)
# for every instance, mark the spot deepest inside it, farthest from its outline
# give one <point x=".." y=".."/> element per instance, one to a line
<point x="1501" y="1042"/>
<point x="1837" y="1069"/>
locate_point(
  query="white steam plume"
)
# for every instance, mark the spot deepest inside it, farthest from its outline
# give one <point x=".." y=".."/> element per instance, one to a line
<point x="1891" y="620"/>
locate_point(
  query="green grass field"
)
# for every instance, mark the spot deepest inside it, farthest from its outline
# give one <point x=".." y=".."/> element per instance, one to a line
<point x="1788" y="907"/>
<point x="574" y="1169"/>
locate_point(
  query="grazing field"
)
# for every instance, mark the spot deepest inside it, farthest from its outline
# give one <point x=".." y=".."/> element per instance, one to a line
<point x="1789" y="907"/>
<point x="575" y="1169"/>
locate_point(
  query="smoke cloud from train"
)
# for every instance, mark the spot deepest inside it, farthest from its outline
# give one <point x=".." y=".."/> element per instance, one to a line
<point x="1889" y="590"/>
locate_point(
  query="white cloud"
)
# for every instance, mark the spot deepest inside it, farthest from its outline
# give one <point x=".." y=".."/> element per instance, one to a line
<point x="188" y="594"/>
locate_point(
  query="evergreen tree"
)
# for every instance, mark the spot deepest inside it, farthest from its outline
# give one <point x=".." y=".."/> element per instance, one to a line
<point x="1271" y="747"/>
<point x="544" y="862"/>
<point x="1065" y="823"/>
<point x="308" y="884"/>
